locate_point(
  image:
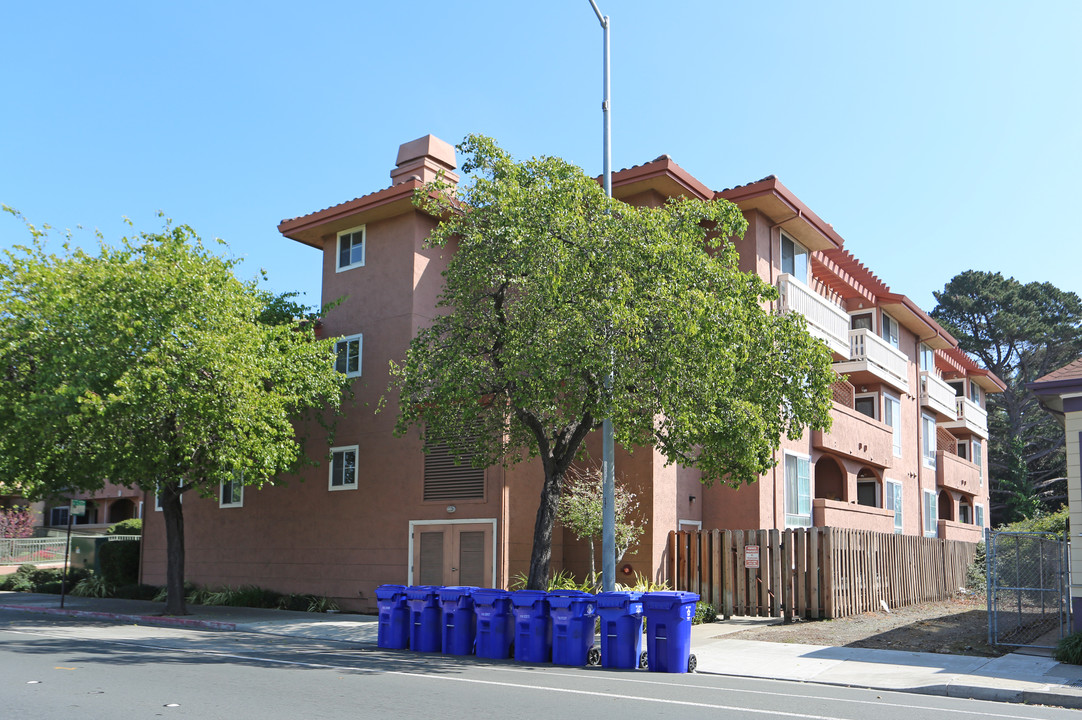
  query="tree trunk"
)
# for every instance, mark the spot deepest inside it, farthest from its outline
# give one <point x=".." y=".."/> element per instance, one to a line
<point x="541" y="554"/>
<point x="173" y="514"/>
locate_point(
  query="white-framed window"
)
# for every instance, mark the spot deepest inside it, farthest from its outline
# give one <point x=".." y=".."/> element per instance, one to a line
<point x="979" y="512"/>
<point x="892" y="416"/>
<point x="928" y="439"/>
<point x="931" y="514"/>
<point x="862" y="320"/>
<point x="343" y="469"/>
<point x="797" y="491"/>
<point x="351" y="248"/>
<point x="978" y="460"/>
<point x="868" y="492"/>
<point x="794" y="258"/>
<point x="890" y="330"/>
<point x="231" y="493"/>
<point x="963" y="449"/>
<point x="58" y="516"/>
<point x="867" y="405"/>
<point x="348" y="351"/>
<point x="974" y="392"/>
<point x="894" y="502"/>
<point x="927" y="358"/>
<point x="965" y="513"/>
<point x="959" y="387"/>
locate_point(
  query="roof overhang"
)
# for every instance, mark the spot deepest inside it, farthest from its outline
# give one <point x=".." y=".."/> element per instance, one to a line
<point x="663" y="176"/>
<point x="312" y="228"/>
<point x="917" y="321"/>
<point x="774" y="200"/>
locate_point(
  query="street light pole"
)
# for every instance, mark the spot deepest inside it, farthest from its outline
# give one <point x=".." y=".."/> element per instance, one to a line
<point x="608" y="474"/>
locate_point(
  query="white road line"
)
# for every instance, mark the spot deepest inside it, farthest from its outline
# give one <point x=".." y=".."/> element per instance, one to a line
<point x="347" y="668"/>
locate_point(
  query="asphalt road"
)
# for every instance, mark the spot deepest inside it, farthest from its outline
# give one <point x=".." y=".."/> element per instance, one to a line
<point x="55" y="668"/>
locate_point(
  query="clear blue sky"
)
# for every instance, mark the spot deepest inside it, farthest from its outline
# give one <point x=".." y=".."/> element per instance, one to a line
<point x="935" y="136"/>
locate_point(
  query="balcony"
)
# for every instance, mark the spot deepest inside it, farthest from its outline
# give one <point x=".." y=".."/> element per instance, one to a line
<point x="955" y="473"/>
<point x="857" y="436"/>
<point x="951" y="530"/>
<point x="826" y="321"/>
<point x="874" y="355"/>
<point x="838" y="513"/>
<point x="970" y="416"/>
<point x="937" y="395"/>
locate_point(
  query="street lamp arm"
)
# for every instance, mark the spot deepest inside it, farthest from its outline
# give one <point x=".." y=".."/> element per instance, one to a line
<point x="600" y="18"/>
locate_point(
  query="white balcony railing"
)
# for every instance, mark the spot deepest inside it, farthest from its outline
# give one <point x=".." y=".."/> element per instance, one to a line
<point x="971" y="417"/>
<point x="937" y="394"/>
<point x="826" y="320"/>
<point x="866" y="346"/>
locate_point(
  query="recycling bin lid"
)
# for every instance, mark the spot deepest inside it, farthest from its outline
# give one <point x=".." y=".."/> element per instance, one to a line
<point x="668" y="599"/>
<point x="421" y="592"/>
<point x="569" y="593"/>
<point x="617" y="598"/>
<point x="525" y="598"/>
<point x="389" y="592"/>
<point x="456" y="592"/>
<point x="486" y="596"/>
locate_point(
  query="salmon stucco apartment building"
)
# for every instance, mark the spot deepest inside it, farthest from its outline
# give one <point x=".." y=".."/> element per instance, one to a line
<point x="906" y="453"/>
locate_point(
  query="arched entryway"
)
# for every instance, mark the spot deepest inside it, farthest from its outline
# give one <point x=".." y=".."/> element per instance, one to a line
<point x="122" y="509"/>
<point x="829" y="479"/>
<point x="946" y="505"/>
<point x="868" y="490"/>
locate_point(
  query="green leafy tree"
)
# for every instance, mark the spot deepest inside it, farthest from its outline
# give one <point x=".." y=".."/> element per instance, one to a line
<point x="580" y="512"/>
<point x="1020" y="332"/>
<point x="150" y="364"/>
<point x="552" y="287"/>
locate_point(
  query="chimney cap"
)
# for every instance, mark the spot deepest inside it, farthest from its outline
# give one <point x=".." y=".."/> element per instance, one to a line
<point x="428" y="146"/>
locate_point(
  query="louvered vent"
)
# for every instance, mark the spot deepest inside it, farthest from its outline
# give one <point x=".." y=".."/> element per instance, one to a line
<point x="444" y="480"/>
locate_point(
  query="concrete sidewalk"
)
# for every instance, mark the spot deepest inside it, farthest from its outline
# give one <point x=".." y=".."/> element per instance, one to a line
<point x="1015" y="677"/>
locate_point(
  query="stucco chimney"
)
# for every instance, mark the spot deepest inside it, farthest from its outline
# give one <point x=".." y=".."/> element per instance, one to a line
<point x="424" y="157"/>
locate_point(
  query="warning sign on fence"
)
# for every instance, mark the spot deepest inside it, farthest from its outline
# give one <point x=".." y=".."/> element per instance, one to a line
<point x="751" y="557"/>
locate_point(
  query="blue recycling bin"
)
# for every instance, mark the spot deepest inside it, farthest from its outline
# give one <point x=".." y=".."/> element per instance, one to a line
<point x="495" y="623"/>
<point x="573" y="618"/>
<point x="668" y="630"/>
<point x="533" y="626"/>
<point x="459" y="622"/>
<point x="394" y="617"/>
<point x="424" y="604"/>
<point x="621" y="629"/>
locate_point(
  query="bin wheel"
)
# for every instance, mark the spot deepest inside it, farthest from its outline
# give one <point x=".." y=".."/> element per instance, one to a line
<point x="593" y="656"/>
<point x="693" y="663"/>
<point x="644" y="660"/>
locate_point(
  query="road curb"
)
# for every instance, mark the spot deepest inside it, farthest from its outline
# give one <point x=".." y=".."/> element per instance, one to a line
<point x="161" y="620"/>
<point x="960" y="691"/>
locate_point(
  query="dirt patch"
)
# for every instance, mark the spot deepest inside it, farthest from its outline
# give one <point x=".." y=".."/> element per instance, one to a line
<point x="958" y="626"/>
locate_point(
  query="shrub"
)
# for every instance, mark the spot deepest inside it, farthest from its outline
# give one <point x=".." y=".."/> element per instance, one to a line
<point x="26" y="569"/>
<point x="321" y="604"/>
<point x="704" y="613"/>
<point x="17" y="582"/>
<point x="92" y="586"/>
<point x="1055" y="522"/>
<point x="1069" y="649"/>
<point x="119" y="562"/>
<point x="976" y="580"/>
<point x="16" y="522"/>
<point x="132" y="526"/>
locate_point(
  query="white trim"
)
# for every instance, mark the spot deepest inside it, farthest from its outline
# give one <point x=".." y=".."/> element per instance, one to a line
<point x="238" y="483"/>
<point x="897" y="328"/>
<point x="878" y="490"/>
<point x="348" y="339"/>
<point x="933" y="516"/>
<point x="782" y="236"/>
<point x="899" y="504"/>
<point x="870" y="312"/>
<point x="338" y="248"/>
<point x="697" y="523"/>
<point x="896" y="428"/>
<point x="330" y="468"/>
<point x="456" y="521"/>
<point x="928" y="440"/>
<point x="785" y="487"/>
<point x="874" y="396"/>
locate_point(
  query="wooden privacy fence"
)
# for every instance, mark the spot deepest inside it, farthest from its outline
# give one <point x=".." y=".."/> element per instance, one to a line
<point x="815" y="572"/>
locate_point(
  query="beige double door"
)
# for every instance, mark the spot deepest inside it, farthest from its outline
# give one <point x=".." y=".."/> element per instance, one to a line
<point x="453" y="554"/>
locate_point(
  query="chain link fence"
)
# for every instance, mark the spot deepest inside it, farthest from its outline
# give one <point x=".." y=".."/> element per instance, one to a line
<point x="1027" y="588"/>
